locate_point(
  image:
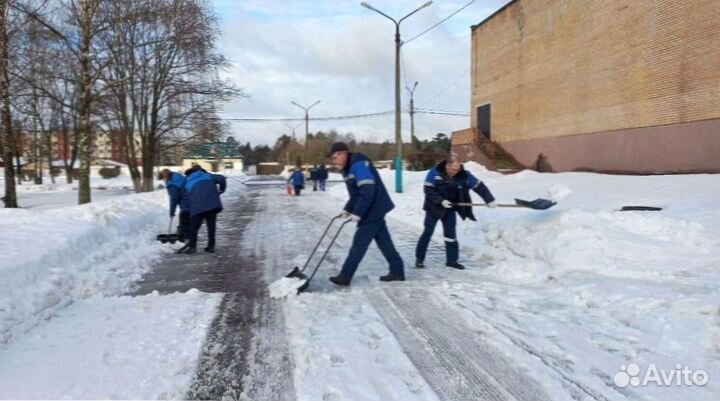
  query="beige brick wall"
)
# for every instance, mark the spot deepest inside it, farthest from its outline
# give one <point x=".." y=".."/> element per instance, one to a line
<point x="464" y="137"/>
<point x="561" y="67"/>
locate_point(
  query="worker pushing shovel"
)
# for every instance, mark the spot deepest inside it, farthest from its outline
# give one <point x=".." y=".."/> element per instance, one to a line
<point x="367" y="206"/>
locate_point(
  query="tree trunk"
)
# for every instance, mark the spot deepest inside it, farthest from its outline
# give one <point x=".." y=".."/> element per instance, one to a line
<point x="10" y="197"/>
<point x="148" y="163"/>
<point x="48" y="137"/>
<point x="84" y="195"/>
<point x="132" y="162"/>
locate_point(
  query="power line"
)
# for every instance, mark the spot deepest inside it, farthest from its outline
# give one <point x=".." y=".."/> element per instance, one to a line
<point x="433" y="27"/>
<point x="448" y="87"/>
<point x="273" y="120"/>
<point x="442" y="112"/>
<point x="404" y="70"/>
<point x="332" y="118"/>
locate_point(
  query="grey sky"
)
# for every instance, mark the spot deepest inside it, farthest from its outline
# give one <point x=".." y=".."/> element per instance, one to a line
<point x="343" y="54"/>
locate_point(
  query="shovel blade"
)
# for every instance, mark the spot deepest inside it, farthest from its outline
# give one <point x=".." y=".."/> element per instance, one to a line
<point x="165" y="238"/>
<point x="296" y="273"/>
<point x="537" y="204"/>
<point x="640" y="208"/>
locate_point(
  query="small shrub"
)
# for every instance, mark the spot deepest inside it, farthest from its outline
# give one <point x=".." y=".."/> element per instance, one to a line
<point x="109" y="172"/>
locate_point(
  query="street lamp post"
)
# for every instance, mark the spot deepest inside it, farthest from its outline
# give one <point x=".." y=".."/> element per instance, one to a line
<point x="398" y="137"/>
<point x="293" y="129"/>
<point x="412" y="116"/>
<point x="307" y="124"/>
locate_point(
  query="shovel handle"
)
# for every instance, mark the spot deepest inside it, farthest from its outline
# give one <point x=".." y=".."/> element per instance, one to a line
<point x="485" y="204"/>
<point x="170" y="225"/>
<point x="319" y="241"/>
<point x="327" y="250"/>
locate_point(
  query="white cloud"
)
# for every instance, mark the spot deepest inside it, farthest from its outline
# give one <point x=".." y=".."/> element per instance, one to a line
<point x="343" y="54"/>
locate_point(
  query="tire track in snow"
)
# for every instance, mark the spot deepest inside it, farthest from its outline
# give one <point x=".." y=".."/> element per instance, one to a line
<point x="451" y="356"/>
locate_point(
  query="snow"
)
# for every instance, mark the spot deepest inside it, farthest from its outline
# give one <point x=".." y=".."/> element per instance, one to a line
<point x="285" y="286"/>
<point x="142" y="347"/>
<point x="58" y="256"/>
<point x="349" y="355"/>
<point x="60" y="194"/>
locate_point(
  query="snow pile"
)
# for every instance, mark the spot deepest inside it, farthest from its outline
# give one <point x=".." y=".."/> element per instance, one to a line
<point x="624" y="245"/>
<point x="52" y="258"/>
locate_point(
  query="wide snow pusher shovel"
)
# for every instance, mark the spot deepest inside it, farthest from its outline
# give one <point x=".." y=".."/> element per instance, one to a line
<point x="537" y="204"/>
<point x="171" y="238"/>
<point x="297" y="280"/>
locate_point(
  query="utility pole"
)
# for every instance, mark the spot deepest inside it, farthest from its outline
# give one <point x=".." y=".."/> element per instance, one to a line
<point x="307" y="124"/>
<point x="293" y="129"/>
<point x="413" y="143"/>
<point x="398" y="136"/>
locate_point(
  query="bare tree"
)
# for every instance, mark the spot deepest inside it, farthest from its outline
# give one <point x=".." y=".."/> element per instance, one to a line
<point x="76" y="30"/>
<point x="8" y="139"/>
<point x="165" y="69"/>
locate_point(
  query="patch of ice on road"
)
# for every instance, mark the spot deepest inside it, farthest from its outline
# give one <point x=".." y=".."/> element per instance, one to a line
<point x="111" y="348"/>
<point x="285" y="286"/>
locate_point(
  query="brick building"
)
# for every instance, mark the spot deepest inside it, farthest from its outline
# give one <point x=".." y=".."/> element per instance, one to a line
<point x="606" y="85"/>
<point x="106" y="146"/>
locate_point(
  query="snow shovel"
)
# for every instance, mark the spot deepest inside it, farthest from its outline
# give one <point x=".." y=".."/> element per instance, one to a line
<point x="171" y="238"/>
<point x="299" y="281"/>
<point x="537" y="204"/>
<point x="640" y="209"/>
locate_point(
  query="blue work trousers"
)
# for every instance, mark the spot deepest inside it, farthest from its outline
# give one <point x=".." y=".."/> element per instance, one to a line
<point x="452" y="248"/>
<point x="364" y="235"/>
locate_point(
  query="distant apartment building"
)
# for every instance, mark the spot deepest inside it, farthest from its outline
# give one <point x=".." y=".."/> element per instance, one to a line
<point x="605" y="85"/>
<point x="215" y="157"/>
<point x="106" y="146"/>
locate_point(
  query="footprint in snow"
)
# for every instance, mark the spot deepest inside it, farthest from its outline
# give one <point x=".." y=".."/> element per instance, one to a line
<point x="336" y="360"/>
<point x="331" y="395"/>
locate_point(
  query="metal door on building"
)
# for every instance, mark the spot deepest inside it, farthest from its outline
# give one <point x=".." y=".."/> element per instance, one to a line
<point x="483" y="119"/>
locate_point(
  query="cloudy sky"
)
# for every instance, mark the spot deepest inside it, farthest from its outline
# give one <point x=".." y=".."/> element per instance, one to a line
<point x="343" y="54"/>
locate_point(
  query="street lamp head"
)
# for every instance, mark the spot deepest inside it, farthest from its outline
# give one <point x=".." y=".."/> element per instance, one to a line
<point x="426" y="4"/>
<point x="368" y="6"/>
<point x="416" y="84"/>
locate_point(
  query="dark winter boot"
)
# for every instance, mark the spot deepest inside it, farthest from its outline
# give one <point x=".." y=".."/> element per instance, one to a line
<point x="210" y="250"/>
<point x="393" y="277"/>
<point x="455" y="265"/>
<point x="340" y="280"/>
<point x="183" y="249"/>
<point x="419" y="264"/>
<point x="190" y="250"/>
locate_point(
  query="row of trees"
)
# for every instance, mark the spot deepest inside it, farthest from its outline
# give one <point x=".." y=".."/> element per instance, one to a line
<point x="289" y="151"/>
<point x="147" y="69"/>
